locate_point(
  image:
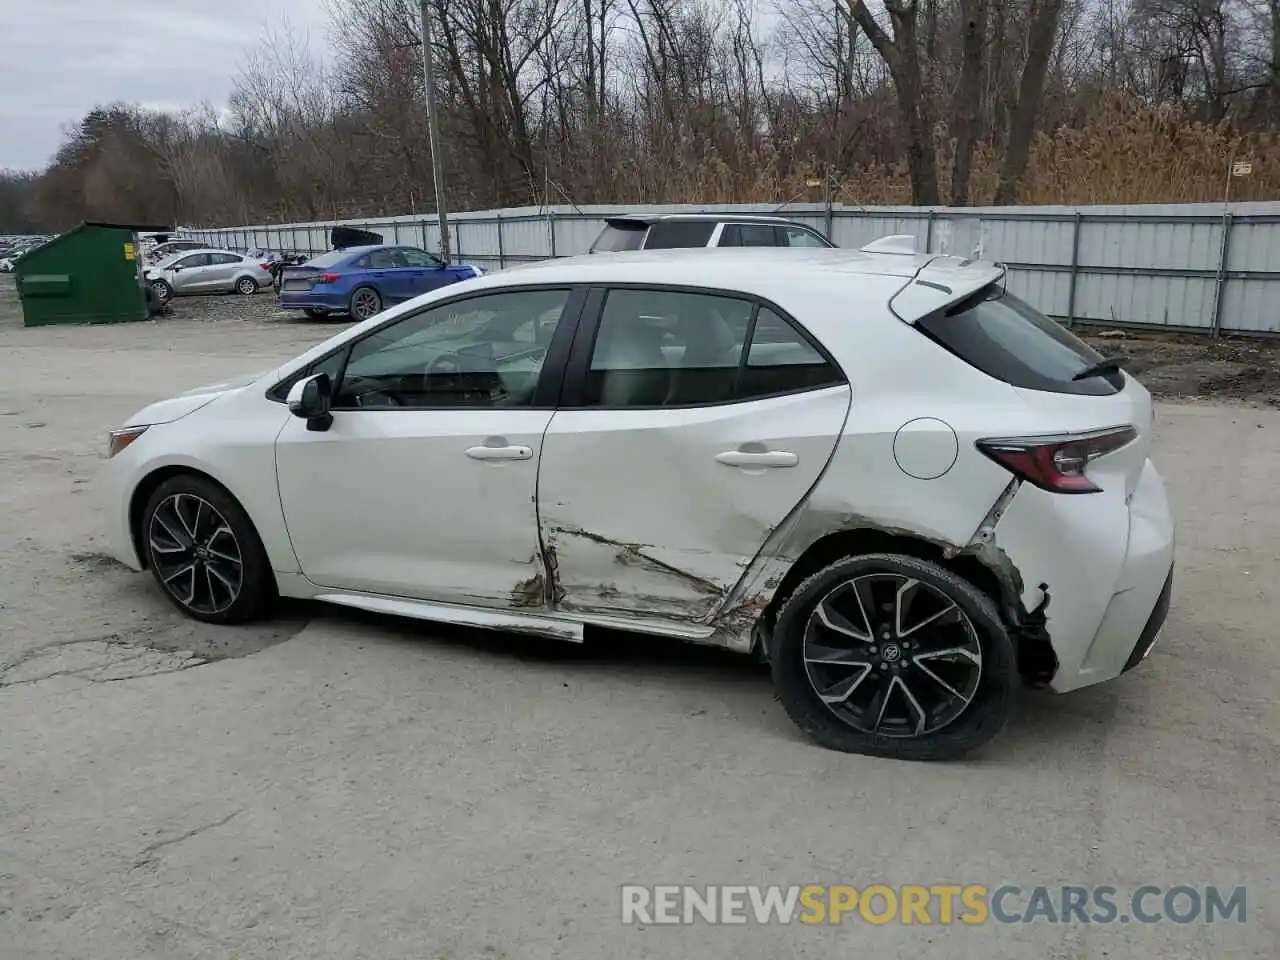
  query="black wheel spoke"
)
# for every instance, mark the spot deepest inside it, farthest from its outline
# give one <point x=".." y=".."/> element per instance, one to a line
<point x="892" y="655"/>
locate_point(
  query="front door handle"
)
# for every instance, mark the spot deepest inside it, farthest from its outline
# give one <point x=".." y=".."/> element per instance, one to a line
<point x="512" y="452"/>
<point x="763" y="458"/>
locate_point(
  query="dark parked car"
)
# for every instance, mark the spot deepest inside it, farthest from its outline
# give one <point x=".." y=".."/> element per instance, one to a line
<point x="667" y="231"/>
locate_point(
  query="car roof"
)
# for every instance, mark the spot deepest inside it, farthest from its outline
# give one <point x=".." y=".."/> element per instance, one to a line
<point x="785" y="275"/>
<point x="648" y="219"/>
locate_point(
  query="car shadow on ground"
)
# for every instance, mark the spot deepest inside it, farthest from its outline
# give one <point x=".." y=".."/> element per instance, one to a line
<point x="1043" y="721"/>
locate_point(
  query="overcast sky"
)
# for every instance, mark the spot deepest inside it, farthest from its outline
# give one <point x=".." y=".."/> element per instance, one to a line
<point x="58" y="58"/>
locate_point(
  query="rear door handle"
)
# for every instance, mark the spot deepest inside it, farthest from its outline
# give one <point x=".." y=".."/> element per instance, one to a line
<point x="513" y="452"/>
<point x="767" y="458"/>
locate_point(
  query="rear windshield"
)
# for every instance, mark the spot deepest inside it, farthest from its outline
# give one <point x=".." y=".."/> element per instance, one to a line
<point x="1010" y="340"/>
<point x="616" y="236"/>
<point x="330" y="259"/>
<point x="671" y="234"/>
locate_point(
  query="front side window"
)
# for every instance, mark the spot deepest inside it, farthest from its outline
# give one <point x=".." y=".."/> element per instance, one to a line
<point x="195" y="260"/>
<point x="480" y="352"/>
<point x="666" y="348"/>
<point x="409" y="257"/>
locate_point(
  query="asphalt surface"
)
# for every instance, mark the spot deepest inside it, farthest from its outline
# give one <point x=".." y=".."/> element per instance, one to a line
<point x="329" y="785"/>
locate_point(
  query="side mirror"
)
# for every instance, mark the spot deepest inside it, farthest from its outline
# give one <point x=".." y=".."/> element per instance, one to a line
<point x="309" y="399"/>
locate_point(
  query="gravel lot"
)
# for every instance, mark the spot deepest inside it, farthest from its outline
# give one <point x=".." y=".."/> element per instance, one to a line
<point x="334" y="785"/>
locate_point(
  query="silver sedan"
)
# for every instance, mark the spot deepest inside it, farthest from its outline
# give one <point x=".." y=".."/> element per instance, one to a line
<point x="207" y="271"/>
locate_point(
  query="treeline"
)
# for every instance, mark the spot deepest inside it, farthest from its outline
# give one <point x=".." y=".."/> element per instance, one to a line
<point x="578" y="101"/>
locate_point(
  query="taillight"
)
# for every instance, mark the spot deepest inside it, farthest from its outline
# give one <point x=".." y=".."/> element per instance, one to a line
<point x="1057" y="463"/>
<point x="266" y="266"/>
<point x="329" y="277"/>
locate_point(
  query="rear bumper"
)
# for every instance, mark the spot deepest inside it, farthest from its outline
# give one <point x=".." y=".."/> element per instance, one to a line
<point x="1151" y="632"/>
<point x="1106" y="567"/>
<point x="312" y="300"/>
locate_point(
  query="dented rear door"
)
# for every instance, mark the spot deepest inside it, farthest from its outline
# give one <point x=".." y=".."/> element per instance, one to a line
<point x="651" y="504"/>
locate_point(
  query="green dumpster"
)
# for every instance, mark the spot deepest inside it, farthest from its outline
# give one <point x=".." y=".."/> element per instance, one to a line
<point x="91" y="274"/>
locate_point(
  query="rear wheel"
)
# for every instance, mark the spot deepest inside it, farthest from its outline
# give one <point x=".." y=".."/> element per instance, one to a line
<point x="205" y="553"/>
<point x="894" y="656"/>
<point x="365" y="303"/>
<point x="246" y="285"/>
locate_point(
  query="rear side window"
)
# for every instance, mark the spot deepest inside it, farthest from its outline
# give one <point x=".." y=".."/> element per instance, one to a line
<point x="620" y="236"/>
<point x="1010" y="340"/>
<point x="782" y="361"/>
<point x="667" y="348"/>
<point x="673" y="234"/>
<point x="749" y="235"/>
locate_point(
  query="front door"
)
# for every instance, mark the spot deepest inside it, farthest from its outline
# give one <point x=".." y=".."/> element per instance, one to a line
<point x="680" y="449"/>
<point x="425" y="484"/>
<point x="187" y="273"/>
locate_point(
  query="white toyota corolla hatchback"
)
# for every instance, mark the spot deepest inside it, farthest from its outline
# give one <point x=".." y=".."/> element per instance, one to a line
<point x="900" y="484"/>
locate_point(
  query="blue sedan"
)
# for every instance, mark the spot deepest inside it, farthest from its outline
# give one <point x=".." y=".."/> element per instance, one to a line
<point x="362" y="280"/>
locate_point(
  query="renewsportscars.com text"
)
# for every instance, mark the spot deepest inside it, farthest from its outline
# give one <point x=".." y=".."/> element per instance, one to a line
<point x="970" y="904"/>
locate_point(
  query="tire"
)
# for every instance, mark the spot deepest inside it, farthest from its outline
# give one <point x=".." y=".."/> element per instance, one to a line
<point x="162" y="290"/>
<point x="247" y="286"/>
<point x="316" y="314"/>
<point x="190" y="520"/>
<point x="974" y="677"/>
<point x="365" y="303"/>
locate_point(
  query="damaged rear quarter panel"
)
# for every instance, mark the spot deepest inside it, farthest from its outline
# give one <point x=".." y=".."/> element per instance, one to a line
<point x="864" y="489"/>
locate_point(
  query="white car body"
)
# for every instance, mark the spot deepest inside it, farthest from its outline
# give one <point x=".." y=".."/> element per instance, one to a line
<point x="673" y="520"/>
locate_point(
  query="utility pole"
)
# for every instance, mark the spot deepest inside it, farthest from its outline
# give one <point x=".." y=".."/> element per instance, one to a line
<point x="433" y="127"/>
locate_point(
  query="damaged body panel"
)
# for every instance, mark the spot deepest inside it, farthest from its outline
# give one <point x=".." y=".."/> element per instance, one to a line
<point x="657" y="526"/>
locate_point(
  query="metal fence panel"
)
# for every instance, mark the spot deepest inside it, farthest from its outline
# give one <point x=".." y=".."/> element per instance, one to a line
<point x="1199" y="266"/>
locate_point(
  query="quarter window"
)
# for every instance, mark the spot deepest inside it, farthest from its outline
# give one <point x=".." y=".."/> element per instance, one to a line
<point x="480" y="352"/>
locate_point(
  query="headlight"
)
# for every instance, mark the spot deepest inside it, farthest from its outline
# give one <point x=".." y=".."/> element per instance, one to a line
<point x="122" y="438"/>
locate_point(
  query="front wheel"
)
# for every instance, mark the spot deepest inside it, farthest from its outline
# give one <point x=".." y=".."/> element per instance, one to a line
<point x="246" y="286"/>
<point x="204" y="552"/>
<point x="162" y="290"/>
<point x="365" y="303"/>
<point x="893" y="656"/>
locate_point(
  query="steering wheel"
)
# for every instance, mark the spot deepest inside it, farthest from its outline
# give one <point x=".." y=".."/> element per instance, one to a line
<point x="446" y="364"/>
<point x="385" y="397"/>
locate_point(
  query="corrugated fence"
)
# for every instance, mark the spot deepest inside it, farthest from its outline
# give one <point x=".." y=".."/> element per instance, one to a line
<point x="1202" y="267"/>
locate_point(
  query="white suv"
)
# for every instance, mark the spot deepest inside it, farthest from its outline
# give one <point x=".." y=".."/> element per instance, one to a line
<point x="902" y="485"/>
<point x="683" y="230"/>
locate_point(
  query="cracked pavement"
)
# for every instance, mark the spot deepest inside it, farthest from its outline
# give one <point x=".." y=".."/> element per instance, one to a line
<point x="336" y="785"/>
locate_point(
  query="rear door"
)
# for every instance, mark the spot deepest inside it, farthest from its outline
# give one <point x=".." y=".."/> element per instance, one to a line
<point x="677" y="449"/>
<point x="221" y="272"/>
<point x="386" y="270"/>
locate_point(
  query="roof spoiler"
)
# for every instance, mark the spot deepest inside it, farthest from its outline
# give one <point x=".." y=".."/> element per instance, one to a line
<point x="901" y="243"/>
